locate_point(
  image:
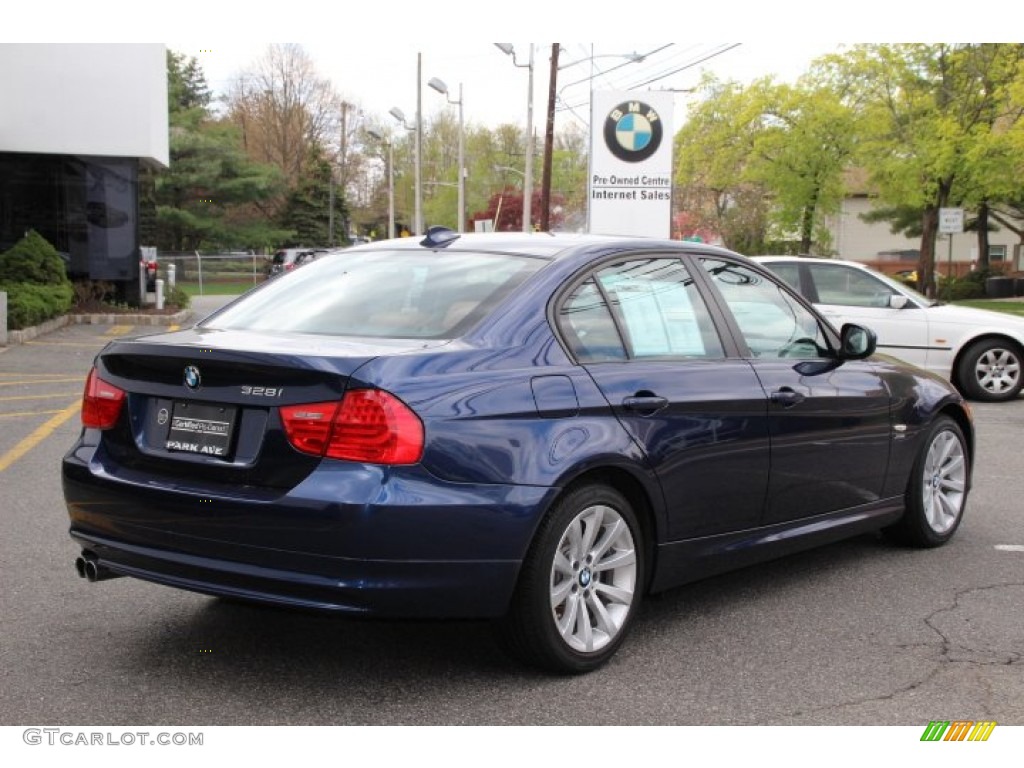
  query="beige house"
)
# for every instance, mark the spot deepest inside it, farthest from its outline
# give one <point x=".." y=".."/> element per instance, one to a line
<point x="858" y="240"/>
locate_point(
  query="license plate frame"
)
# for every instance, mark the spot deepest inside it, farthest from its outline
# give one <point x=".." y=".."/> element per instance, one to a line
<point x="203" y="429"/>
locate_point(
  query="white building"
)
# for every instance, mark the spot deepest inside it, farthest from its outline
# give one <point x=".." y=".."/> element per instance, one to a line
<point x="77" y="122"/>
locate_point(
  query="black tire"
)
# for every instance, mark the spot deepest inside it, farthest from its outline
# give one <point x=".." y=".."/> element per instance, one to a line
<point x="937" y="489"/>
<point x="991" y="371"/>
<point x="562" y="601"/>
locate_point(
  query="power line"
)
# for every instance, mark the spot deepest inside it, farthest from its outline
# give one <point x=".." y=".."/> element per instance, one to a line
<point x="685" y="59"/>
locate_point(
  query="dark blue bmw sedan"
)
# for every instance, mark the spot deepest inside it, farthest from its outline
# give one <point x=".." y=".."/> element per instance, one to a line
<point x="535" y="428"/>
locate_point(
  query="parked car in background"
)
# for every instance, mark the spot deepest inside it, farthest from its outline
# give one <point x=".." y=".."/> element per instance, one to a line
<point x="979" y="351"/>
<point x="534" y="428"/>
<point x="287" y="259"/>
<point x="909" y="276"/>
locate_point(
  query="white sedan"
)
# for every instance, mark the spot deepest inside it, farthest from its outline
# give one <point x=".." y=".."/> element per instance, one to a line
<point x="980" y="352"/>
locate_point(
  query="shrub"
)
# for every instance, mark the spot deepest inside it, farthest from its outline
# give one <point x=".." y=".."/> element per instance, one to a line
<point x="957" y="290"/>
<point x="33" y="275"/>
<point x="178" y="297"/>
<point x="30" y="304"/>
<point x="32" y="260"/>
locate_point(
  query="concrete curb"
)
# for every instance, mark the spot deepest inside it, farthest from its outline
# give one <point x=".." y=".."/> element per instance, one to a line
<point x="107" y="318"/>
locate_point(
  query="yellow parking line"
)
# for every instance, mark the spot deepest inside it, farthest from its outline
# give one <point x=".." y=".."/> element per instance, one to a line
<point x="32" y="375"/>
<point x="34" y="397"/>
<point x="26" y="413"/>
<point x="38" y="381"/>
<point x="99" y="340"/>
<point x="119" y="330"/>
<point x="38" y="435"/>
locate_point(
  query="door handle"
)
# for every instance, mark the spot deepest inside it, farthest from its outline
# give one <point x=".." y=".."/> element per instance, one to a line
<point x="644" y="404"/>
<point x="787" y="397"/>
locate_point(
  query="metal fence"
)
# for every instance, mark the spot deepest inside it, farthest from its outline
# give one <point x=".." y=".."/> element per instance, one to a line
<point x="213" y="272"/>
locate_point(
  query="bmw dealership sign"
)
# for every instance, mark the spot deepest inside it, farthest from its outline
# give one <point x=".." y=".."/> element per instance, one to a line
<point x="630" y="185"/>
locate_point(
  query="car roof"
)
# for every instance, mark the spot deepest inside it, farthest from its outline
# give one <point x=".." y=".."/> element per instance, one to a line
<point x="549" y="245"/>
<point x="811" y="260"/>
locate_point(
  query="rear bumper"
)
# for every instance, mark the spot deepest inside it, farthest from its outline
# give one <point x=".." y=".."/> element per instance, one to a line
<point x="359" y="587"/>
<point x="350" y="538"/>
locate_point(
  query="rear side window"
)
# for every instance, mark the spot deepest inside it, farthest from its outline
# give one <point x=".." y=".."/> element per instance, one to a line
<point x="846" y="286"/>
<point x="643" y="309"/>
<point x="588" y="326"/>
<point x="788" y="272"/>
<point x="383" y="294"/>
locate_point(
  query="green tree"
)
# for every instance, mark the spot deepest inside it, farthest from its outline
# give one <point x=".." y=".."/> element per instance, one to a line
<point x="764" y="163"/>
<point x="307" y="211"/>
<point x="212" y="196"/>
<point x="713" y="173"/>
<point x="926" y="118"/>
<point x="805" y="145"/>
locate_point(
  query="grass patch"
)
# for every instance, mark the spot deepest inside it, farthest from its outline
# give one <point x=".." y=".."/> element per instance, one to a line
<point x="217" y="288"/>
<point x="1007" y="307"/>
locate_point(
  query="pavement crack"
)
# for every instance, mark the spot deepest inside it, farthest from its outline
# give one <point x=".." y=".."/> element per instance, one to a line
<point x="949" y="652"/>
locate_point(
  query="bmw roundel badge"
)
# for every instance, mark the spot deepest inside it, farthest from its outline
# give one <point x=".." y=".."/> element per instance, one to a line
<point x="192" y="377"/>
<point x="632" y="131"/>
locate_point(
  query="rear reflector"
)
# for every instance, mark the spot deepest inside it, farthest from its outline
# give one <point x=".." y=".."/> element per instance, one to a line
<point x="369" y="425"/>
<point x="101" y="402"/>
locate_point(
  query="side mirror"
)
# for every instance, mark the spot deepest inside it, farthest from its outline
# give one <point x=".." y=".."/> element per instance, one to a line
<point x="898" y="301"/>
<point x="857" y="342"/>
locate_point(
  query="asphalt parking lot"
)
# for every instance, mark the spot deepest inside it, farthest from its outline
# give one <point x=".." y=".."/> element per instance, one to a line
<point x="861" y="632"/>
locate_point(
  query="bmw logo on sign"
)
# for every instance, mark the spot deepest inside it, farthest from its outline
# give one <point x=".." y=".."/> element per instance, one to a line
<point x="632" y="131"/>
<point x="192" y="377"/>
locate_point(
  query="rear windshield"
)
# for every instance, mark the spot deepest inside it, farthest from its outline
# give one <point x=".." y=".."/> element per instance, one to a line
<point x="383" y="294"/>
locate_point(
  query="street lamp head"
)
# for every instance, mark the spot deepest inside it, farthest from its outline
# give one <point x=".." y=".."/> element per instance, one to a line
<point x="438" y="85"/>
<point x="507" y="48"/>
<point x="398" y="114"/>
<point x="378" y="135"/>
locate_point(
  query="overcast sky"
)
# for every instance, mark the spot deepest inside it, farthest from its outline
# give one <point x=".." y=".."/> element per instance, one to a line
<point x="377" y="77"/>
<point x="369" y="50"/>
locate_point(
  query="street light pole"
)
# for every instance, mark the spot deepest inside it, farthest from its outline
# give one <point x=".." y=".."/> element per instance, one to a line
<point x="509" y="50"/>
<point x="439" y="86"/>
<point x="391" y="177"/>
<point x="399" y="115"/>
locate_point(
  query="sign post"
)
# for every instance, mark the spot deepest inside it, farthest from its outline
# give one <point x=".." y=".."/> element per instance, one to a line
<point x="951" y="222"/>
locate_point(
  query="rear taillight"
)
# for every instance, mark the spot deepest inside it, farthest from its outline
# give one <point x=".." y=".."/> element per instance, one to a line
<point x="101" y="403"/>
<point x="369" y="425"/>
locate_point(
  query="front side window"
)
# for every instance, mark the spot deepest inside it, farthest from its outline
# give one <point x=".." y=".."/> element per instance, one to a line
<point x="772" y="323"/>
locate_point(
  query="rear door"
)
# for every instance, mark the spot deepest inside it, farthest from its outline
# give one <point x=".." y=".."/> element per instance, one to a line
<point x="643" y="332"/>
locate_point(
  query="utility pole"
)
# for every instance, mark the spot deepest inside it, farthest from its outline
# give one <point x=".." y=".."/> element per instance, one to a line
<point x="418" y="223"/>
<point x="549" y="143"/>
<point x="528" y="175"/>
<point x="342" y="153"/>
